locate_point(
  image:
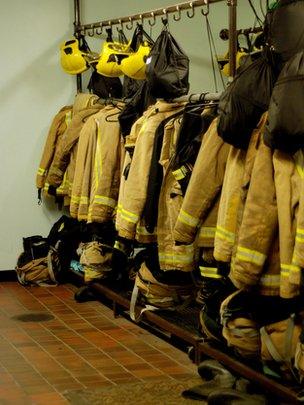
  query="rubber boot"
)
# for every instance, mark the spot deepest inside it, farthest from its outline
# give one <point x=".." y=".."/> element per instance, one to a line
<point x="216" y="376"/>
<point x="234" y="397"/>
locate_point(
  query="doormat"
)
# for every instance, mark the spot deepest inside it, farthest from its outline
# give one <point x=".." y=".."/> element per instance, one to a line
<point x="159" y="392"/>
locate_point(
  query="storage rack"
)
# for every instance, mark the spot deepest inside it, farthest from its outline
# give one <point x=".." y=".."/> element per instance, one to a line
<point x="119" y="299"/>
<point x="183" y="324"/>
<point x="176" y="9"/>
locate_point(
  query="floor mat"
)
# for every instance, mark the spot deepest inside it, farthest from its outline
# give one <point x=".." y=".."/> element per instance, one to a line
<point x="160" y="392"/>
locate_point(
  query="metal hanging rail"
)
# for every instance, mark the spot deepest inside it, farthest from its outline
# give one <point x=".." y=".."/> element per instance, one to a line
<point x="176" y="10"/>
<point x="149" y="15"/>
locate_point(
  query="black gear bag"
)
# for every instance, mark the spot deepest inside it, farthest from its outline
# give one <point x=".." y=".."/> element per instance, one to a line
<point x="285" y="125"/>
<point x="167" y="67"/>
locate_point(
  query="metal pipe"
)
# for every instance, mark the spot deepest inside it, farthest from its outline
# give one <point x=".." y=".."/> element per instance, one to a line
<point x="224" y="33"/>
<point x="232" y="5"/>
<point x="76" y="34"/>
<point x="197" y="97"/>
<point x="147" y="15"/>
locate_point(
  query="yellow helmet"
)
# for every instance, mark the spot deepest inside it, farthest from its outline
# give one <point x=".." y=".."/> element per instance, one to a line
<point x="135" y="65"/>
<point x="223" y="61"/>
<point x="110" y="58"/>
<point x="72" y="58"/>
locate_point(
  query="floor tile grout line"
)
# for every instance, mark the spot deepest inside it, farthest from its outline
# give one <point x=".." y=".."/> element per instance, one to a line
<point x="171" y="358"/>
<point x="54" y="358"/>
<point x="50" y="293"/>
<point x="160" y="352"/>
<point x="92" y="344"/>
<point x="135" y="354"/>
<point x="101" y="314"/>
<point x="34" y="367"/>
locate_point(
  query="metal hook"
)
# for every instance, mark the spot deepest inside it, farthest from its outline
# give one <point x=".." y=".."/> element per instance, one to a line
<point x="153" y="21"/>
<point x="205" y="13"/>
<point x="121" y="28"/>
<point x="179" y="14"/>
<point x="130" y="24"/>
<point x="92" y="32"/>
<point x="192" y="11"/>
<point x="165" y="18"/>
<point x="141" y="19"/>
<point x="99" y="32"/>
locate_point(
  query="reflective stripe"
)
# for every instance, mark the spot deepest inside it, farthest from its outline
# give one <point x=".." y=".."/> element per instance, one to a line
<point x="132" y="217"/>
<point x="286" y="269"/>
<point x="46" y="187"/>
<point x="269" y="280"/>
<point x="251" y="256"/>
<point x="222" y="233"/>
<point x="187" y="219"/>
<point x="299" y="160"/>
<point x="211" y="272"/>
<point x="290" y="267"/>
<point x="103" y="200"/>
<point x="207" y="231"/>
<point x="300" y="235"/>
<point x="97" y="162"/>
<point x="41" y="171"/>
<point x="178" y="174"/>
<point x="175" y="258"/>
<point x="68" y="118"/>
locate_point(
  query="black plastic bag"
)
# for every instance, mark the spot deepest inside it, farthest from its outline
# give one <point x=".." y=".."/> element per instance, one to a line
<point x="167" y="68"/>
<point x="105" y="87"/>
<point x="285" y="125"/>
<point x="284" y="29"/>
<point x="244" y="101"/>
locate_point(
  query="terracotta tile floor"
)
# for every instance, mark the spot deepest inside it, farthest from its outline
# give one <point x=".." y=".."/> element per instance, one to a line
<point x="82" y="346"/>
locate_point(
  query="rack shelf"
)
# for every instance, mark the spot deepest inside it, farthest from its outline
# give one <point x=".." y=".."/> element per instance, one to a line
<point x="183" y="325"/>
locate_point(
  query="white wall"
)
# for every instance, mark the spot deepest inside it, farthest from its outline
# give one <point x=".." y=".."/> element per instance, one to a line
<point x="33" y="88"/>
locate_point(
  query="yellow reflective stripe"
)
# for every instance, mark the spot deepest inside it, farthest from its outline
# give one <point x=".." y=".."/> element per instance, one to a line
<point x="46" y="186"/>
<point x="75" y="198"/>
<point x="175" y="258"/>
<point x="178" y="174"/>
<point x="97" y="162"/>
<point x="300" y="231"/>
<point x="299" y="160"/>
<point x="68" y="118"/>
<point x="211" y="272"/>
<point x="207" y="231"/>
<point x="187" y="219"/>
<point x="269" y="280"/>
<point x="284" y="273"/>
<point x="250" y="255"/>
<point x="286" y="269"/>
<point x="129" y="214"/>
<point x="222" y="233"/>
<point x="41" y="171"/>
<point x="128" y="219"/>
<point x="103" y="200"/>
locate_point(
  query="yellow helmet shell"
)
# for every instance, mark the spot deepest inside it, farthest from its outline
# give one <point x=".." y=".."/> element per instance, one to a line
<point x="108" y="64"/>
<point x="72" y="58"/>
<point x="135" y="65"/>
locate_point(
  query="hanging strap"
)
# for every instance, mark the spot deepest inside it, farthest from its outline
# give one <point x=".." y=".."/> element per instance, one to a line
<point x="134" y="297"/>
<point x="270" y="346"/>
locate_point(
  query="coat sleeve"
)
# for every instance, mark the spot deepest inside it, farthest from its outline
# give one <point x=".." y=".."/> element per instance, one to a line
<point x="259" y="223"/>
<point x="135" y="189"/>
<point x="204" y="186"/>
<point x="70" y="138"/>
<point x="58" y="126"/>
